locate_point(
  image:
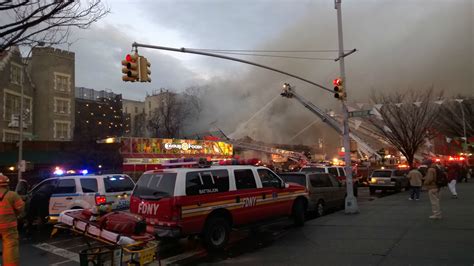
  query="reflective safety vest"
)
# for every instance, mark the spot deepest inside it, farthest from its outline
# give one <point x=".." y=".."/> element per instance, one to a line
<point x="11" y="206"/>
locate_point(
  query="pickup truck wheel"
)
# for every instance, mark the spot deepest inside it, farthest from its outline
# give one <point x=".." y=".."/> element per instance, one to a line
<point x="320" y="209"/>
<point x="216" y="233"/>
<point x="298" y="213"/>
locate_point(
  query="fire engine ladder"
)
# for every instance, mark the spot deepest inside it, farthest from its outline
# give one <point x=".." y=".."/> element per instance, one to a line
<point x="295" y="156"/>
<point x="288" y="92"/>
<point x="292" y="155"/>
<point x="377" y="136"/>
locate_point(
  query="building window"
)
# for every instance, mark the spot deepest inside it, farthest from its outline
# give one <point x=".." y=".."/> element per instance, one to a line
<point x="16" y="74"/>
<point x="62" y="82"/>
<point x="61" y="129"/>
<point x="62" y="106"/>
<point x="136" y="110"/>
<point x="12" y="102"/>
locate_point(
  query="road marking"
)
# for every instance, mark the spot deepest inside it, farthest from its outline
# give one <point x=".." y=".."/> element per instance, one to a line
<point x="58" y="251"/>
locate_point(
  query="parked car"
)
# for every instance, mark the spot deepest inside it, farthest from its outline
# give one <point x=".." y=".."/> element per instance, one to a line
<point x="388" y="179"/>
<point x="56" y="194"/>
<point x="210" y="201"/>
<point x="325" y="191"/>
<point x="338" y="171"/>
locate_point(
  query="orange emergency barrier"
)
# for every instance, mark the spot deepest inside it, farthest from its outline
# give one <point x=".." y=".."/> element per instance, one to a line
<point x="11" y="206"/>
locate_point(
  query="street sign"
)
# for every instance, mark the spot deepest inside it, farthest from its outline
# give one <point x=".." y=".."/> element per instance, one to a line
<point x="361" y="113"/>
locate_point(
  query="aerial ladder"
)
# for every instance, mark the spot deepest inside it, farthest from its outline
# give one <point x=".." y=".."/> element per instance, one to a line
<point x="289" y="92"/>
<point x="292" y="155"/>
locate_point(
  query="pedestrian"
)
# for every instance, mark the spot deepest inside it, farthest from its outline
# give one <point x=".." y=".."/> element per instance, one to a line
<point x="463" y="173"/>
<point x="11" y="207"/>
<point x="453" y="173"/>
<point x="433" y="190"/>
<point x="415" y="178"/>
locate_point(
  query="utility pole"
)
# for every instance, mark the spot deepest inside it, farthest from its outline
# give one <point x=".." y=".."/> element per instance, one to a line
<point x="20" y="164"/>
<point x="463" y="124"/>
<point x="351" y="206"/>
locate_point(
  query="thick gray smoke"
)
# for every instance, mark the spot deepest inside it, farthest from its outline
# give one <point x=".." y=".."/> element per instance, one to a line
<point x="401" y="45"/>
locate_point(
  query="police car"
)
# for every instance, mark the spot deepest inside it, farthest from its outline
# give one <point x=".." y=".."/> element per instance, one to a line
<point x="210" y="201"/>
<point x="57" y="194"/>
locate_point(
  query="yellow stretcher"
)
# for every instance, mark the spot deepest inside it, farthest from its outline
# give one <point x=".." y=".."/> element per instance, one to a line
<point x="139" y="253"/>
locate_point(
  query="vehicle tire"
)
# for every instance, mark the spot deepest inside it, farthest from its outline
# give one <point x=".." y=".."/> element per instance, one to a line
<point x="216" y="233"/>
<point x="372" y="190"/>
<point x="298" y="213"/>
<point x="320" y="209"/>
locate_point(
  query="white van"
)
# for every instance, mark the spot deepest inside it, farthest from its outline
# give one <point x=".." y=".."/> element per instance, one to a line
<point x="61" y="193"/>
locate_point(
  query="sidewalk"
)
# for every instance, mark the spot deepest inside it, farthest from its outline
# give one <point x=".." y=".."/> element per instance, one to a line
<point x="387" y="231"/>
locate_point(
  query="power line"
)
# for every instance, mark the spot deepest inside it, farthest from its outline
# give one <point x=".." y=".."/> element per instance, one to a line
<point x="276" y="56"/>
<point x="267" y="51"/>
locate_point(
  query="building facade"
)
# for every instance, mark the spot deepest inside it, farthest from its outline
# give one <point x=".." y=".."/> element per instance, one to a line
<point x="98" y="115"/>
<point x="13" y="79"/>
<point x="135" y="112"/>
<point x="52" y="73"/>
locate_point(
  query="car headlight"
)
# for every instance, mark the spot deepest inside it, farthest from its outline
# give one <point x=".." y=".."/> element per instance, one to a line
<point x="373" y="180"/>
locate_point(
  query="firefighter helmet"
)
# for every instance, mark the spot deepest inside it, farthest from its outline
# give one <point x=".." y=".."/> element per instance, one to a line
<point x="4" y="181"/>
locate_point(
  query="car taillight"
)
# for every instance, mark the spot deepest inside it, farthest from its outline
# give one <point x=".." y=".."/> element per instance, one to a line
<point x="99" y="200"/>
<point x="176" y="213"/>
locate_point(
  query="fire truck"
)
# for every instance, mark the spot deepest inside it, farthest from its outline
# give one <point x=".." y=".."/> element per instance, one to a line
<point x="210" y="201"/>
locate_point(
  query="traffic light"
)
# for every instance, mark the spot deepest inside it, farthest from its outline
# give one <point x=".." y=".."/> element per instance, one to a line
<point x="130" y="67"/>
<point x="339" y="92"/>
<point x="144" y="69"/>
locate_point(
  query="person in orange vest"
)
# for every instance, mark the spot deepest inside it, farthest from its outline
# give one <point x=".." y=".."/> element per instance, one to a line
<point x="11" y="206"/>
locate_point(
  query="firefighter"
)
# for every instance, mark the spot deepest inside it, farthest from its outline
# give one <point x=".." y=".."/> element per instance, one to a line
<point x="11" y="206"/>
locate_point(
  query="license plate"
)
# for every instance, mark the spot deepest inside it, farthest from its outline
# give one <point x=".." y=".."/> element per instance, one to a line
<point x="123" y="204"/>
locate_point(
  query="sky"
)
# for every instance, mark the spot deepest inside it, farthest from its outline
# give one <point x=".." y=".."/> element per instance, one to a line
<point x="402" y="45"/>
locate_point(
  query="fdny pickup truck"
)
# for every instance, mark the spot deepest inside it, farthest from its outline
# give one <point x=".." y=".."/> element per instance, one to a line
<point x="210" y="201"/>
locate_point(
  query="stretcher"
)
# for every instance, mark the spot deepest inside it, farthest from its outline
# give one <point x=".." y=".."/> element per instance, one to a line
<point x="137" y="249"/>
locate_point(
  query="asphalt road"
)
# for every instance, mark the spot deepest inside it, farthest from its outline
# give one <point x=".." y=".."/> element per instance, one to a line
<point x="63" y="249"/>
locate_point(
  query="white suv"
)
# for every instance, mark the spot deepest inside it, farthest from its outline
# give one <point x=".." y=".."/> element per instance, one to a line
<point x="56" y="194"/>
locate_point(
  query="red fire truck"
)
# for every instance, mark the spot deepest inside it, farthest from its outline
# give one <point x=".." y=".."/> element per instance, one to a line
<point x="210" y="201"/>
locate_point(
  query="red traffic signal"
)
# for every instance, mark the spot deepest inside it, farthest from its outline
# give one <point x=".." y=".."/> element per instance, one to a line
<point x="339" y="89"/>
<point x="337" y="82"/>
<point x="130" y="67"/>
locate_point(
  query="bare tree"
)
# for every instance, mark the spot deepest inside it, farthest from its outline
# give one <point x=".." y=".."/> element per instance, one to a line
<point x="45" y="22"/>
<point x="454" y="115"/>
<point x="171" y="114"/>
<point x="406" y="119"/>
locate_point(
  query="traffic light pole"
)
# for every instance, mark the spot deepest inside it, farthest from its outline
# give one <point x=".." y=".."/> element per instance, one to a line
<point x="190" y="51"/>
<point x="351" y="201"/>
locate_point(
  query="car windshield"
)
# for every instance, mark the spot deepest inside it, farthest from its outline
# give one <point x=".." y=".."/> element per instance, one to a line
<point x="298" y="179"/>
<point x="313" y="169"/>
<point x="382" y="173"/>
<point x="155" y="185"/>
